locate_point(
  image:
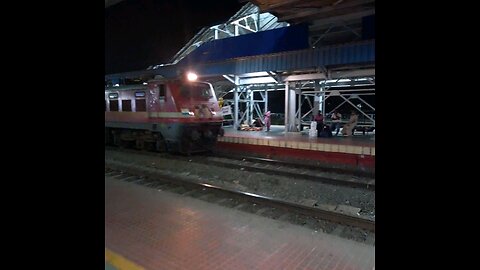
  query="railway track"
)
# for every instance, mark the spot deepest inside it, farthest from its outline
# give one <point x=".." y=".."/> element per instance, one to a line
<point x="272" y="167"/>
<point x="297" y="164"/>
<point x="355" y="227"/>
<point x="281" y="168"/>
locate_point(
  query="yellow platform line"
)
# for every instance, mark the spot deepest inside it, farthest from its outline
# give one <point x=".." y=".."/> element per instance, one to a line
<point x="120" y="262"/>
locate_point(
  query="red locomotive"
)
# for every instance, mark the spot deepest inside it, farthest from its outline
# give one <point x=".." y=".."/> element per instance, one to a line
<point x="163" y="115"/>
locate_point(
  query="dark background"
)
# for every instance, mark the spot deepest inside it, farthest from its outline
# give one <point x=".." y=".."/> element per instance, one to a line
<point x="140" y="33"/>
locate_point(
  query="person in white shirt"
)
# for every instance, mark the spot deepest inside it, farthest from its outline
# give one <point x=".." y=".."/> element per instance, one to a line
<point x="336" y="118"/>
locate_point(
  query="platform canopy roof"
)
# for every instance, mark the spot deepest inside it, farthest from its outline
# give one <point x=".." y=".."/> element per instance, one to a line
<point x="297" y="11"/>
<point x="331" y="21"/>
<point x="332" y="24"/>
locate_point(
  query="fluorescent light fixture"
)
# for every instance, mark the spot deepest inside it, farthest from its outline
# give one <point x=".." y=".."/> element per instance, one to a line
<point x="337" y="81"/>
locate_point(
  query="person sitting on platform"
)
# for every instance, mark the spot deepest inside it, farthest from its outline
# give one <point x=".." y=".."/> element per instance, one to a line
<point x="336" y="118"/>
<point x="257" y="123"/>
<point x="348" y="128"/>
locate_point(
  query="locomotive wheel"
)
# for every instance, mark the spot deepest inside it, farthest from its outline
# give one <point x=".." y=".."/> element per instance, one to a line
<point x="140" y="144"/>
<point x="186" y="146"/>
<point x="127" y="139"/>
<point x="116" y="138"/>
<point x="127" y="143"/>
<point x="109" y="137"/>
<point x="159" y="143"/>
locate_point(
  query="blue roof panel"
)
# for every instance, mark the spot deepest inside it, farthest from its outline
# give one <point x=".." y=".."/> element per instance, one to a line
<point x="346" y="54"/>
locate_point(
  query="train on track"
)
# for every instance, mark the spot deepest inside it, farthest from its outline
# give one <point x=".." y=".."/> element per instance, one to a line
<point x="176" y="115"/>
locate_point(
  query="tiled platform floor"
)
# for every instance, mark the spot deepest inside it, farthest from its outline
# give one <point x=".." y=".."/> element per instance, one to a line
<point x="161" y="230"/>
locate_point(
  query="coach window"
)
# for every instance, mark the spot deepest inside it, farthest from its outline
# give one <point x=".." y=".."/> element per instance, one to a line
<point x="140" y="102"/>
<point x="126" y="105"/>
<point x="161" y="92"/>
<point x="113" y="102"/>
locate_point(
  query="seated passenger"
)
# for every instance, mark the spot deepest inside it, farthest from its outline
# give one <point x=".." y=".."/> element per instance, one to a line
<point x="350" y="125"/>
<point x="336" y="121"/>
<point x="257" y="123"/>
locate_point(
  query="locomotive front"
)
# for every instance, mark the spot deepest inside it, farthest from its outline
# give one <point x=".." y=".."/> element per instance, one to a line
<point x="198" y="101"/>
<point x="188" y="111"/>
<point x="166" y="115"/>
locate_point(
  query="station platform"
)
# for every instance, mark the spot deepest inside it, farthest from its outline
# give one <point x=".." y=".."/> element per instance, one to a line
<point x="354" y="152"/>
<point x="150" y="229"/>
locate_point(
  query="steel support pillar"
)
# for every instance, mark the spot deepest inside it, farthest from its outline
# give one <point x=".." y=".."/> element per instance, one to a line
<point x="289" y="109"/>
<point x="235" y="109"/>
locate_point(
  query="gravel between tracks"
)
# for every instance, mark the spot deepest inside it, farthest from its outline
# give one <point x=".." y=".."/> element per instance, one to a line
<point x="294" y="190"/>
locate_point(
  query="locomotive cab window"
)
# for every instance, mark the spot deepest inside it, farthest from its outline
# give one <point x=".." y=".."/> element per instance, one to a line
<point x="196" y="91"/>
<point x="161" y="92"/>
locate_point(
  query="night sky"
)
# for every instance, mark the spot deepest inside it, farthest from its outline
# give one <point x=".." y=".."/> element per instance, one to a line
<point x="140" y="33"/>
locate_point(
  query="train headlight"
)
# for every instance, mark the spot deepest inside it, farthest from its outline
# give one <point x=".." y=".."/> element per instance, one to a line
<point x="192" y="76"/>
